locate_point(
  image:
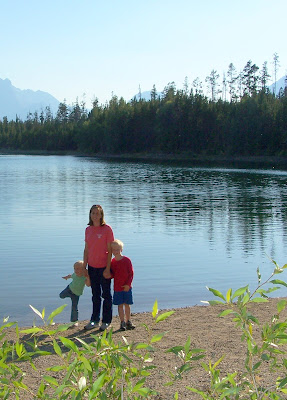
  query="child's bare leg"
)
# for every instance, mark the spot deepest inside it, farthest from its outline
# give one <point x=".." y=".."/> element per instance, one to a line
<point x="121" y="312"/>
<point x="128" y="312"/>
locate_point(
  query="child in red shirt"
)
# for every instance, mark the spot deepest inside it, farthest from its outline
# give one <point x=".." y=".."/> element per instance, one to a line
<point x="123" y="273"/>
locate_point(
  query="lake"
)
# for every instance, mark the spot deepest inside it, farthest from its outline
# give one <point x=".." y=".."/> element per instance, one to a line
<point x="184" y="227"/>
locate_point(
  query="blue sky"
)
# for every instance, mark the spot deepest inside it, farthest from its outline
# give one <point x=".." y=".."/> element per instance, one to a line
<point x="99" y="48"/>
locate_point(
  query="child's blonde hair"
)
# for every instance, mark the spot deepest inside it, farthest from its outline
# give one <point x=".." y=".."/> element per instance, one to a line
<point x="79" y="263"/>
<point x="119" y="243"/>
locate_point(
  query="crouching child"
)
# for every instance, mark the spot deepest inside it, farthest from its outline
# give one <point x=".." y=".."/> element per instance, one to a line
<point x="80" y="279"/>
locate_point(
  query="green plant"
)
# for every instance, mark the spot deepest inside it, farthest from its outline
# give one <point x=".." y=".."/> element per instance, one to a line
<point x="187" y="356"/>
<point x="101" y="369"/>
<point x="11" y="353"/>
<point x="267" y="350"/>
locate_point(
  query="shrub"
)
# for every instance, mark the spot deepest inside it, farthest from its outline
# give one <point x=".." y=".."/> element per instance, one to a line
<point x="104" y="369"/>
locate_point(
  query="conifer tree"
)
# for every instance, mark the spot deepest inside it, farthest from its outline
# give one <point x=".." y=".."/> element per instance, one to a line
<point x="212" y="83"/>
<point x="250" y="78"/>
<point x="276" y="67"/>
<point x="264" y="76"/>
<point x="232" y="77"/>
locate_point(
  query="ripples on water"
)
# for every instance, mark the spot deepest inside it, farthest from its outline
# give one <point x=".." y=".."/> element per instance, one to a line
<point x="183" y="227"/>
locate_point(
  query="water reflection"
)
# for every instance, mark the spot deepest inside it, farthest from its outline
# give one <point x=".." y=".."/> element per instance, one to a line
<point x="184" y="227"/>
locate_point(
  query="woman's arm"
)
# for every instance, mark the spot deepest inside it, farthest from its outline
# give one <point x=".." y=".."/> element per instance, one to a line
<point x="88" y="280"/>
<point x="107" y="271"/>
<point x="85" y="256"/>
<point x="109" y="256"/>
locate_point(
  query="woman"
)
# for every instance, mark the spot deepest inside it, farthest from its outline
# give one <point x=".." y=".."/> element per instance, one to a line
<point x="97" y="255"/>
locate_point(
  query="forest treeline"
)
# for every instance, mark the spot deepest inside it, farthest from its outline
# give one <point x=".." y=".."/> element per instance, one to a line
<point x="240" y="118"/>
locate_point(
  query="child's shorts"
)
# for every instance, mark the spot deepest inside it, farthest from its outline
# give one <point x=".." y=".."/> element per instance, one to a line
<point x="123" y="297"/>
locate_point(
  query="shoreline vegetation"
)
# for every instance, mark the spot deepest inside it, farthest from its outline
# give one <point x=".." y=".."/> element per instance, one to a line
<point x="201" y="325"/>
<point x="178" y="124"/>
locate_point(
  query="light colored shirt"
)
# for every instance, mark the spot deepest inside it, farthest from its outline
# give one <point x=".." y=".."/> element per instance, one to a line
<point x="77" y="285"/>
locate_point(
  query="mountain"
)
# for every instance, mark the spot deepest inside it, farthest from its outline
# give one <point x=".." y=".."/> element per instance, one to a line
<point x="16" y="102"/>
<point x="279" y="84"/>
<point x="142" y="96"/>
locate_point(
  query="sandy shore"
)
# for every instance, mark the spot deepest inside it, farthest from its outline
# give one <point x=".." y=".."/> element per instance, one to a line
<point x="218" y="336"/>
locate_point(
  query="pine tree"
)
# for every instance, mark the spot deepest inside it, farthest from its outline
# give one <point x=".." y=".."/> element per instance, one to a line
<point x="276" y="66"/>
<point x="264" y="77"/>
<point x="250" y="78"/>
<point x="197" y="84"/>
<point x="212" y="84"/>
<point x="232" y="77"/>
<point x="153" y="93"/>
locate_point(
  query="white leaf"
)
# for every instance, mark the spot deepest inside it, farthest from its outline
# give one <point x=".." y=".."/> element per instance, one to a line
<point x="36" y="311"/>
<point x="82" y="383"/>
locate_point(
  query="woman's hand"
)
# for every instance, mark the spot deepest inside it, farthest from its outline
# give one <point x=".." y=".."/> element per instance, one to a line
<point x="107" y="274"/>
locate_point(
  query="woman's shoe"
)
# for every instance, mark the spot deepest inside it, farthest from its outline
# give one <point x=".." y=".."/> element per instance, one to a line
<point x="104" y="326"/>
<point x="91" y="325"/>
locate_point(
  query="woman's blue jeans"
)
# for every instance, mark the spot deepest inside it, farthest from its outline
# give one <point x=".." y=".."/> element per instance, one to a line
<point x="101" y="289"/>
<point x="75" y="300"/>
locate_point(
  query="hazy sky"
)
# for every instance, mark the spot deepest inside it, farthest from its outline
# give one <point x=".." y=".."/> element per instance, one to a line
<point x="100" y="48"/>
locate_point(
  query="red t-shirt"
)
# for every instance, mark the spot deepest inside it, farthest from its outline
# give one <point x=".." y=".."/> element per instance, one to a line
<point x="97" y="239"/>
<point x="122" y="272"/>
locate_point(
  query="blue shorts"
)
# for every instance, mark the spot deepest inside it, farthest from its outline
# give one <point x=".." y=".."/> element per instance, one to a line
<point x="123" y="297"/>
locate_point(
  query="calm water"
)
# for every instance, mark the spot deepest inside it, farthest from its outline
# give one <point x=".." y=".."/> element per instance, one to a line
<point x="183" y="227"/>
